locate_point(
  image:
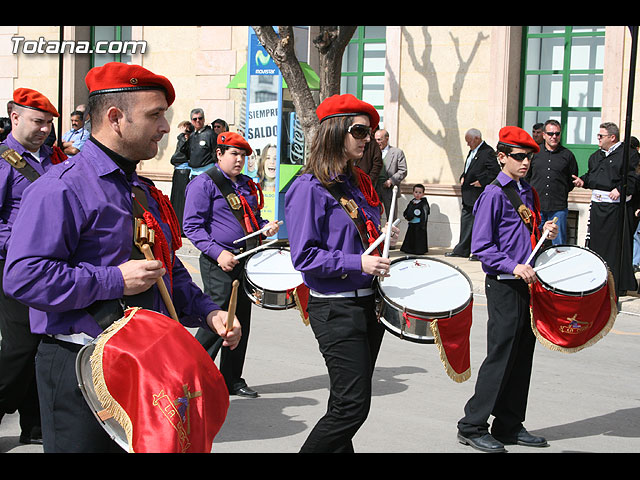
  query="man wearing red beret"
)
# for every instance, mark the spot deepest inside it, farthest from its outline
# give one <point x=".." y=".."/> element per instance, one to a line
<point x="24" y="158"/>
<point x="503" y="241"/>
<point x="76" y="262"/>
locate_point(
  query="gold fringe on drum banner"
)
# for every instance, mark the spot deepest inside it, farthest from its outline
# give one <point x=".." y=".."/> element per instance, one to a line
<point x="452" y="338"/>
<point x="569" y="324"/>
<point x="99" y="383"/>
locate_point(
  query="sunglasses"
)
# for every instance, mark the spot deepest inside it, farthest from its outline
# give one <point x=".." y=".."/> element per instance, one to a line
<point x="520" y="156"/>
<point x="359" y="131"/>
<point x="551" y="134"/>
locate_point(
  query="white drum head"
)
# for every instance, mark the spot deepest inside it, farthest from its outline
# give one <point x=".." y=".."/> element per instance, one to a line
<point x="426" y="286"/>
<point x="272" y="269"/>
<point x="571" y="269"/>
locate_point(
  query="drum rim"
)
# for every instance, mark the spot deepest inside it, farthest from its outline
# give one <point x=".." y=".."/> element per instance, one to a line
<point x="85" y="353"/>
<point x="549" y="288"/>
<point x="419" y="313"/>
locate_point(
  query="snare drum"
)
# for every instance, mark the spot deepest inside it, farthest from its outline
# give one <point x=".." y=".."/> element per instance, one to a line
<point x="571" y="270"/>
<point x="573" y="303"/>
<point x="152" y="386"/>
<point x="418" y="291"/>
<point x="270" y="279"/>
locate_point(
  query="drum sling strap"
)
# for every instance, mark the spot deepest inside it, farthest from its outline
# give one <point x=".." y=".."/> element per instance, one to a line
<point x="225" y="187"/>
<point x="105" y="312"/>
<point x="528" y="217"/>
<point x="14" y="159"/>
<point x="351" y="208"/>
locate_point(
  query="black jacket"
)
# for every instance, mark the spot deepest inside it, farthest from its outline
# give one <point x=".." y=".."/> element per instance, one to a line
<point x="484" y="167"/>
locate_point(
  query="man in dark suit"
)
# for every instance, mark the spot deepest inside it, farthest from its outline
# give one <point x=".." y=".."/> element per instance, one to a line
<point x="480" y="169"/>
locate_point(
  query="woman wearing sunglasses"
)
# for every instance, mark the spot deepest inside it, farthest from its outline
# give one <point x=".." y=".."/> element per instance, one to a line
<point x="503" y="242"/>
<point x="332" y="213"/>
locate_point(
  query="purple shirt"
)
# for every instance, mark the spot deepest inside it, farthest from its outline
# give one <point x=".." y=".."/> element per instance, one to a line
<point x="12" y="185"/>
<point x="500" y="238"/>
<point x="325" y="244"/>
<point x="75" y="226"/>
<point x="208" y="221"/>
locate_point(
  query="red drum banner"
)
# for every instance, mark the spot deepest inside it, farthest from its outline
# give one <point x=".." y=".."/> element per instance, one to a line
<point x="452" y="338"/>
<point x="158" y="382"/>
<point x="568" y="323"/>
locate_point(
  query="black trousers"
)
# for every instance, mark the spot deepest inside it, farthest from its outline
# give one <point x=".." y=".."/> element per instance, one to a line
<point x="349" y="337"/>
<point x="502" y="386"/>
<point x="18" y="390"/>
<point x="68" y="424"/>
<point x="217" y="284"/>
<point x="466" y="227"/>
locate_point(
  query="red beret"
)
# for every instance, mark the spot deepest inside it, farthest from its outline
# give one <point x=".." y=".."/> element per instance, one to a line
<point x="517" y="137"/>
<point x="26" y="97"/>
<point x="232" y="139"/>
<point x="121" y="77"/>
<point x="346" y="105"/>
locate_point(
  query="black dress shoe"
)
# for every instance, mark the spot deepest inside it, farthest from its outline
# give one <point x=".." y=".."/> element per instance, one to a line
<point x="245" y="391"/>
<point x="484" y="443"/>
<point x="453" y="254"/>
<point x="32" y="435"/>
<point x="524" y="438"/>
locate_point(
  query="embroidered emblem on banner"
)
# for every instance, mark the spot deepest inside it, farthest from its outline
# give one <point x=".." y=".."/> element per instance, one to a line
<point x="575" y="326"/>
<point x="177" y="413"/>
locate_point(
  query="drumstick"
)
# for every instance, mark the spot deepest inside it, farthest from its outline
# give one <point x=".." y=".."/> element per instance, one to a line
<point x="510" y="276"/>
<point x="231" y="312"/>
<point x="262" y="230"/>
<point x="387" y="240"/>
<point x="545" y="234"/>
<point x="214" y="348"/>
<point x="551" y="264"/>
<point x="164" y="293"/>
<point x="249" y="252"/>
<point x="379" y="240"/>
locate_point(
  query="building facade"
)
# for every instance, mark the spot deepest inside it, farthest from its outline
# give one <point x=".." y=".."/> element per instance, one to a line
<point x="430" y="83"/>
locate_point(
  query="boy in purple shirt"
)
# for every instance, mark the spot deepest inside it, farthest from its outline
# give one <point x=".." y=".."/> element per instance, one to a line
<point x="502" y="241"/>
<point x="212" y="227"/>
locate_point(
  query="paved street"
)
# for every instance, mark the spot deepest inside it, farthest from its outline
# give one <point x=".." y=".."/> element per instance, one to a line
<point x="584" y="402"/>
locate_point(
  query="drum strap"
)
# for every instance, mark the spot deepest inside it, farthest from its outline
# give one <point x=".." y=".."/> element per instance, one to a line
<point x="351" y="208"/>
<point x="530" y="219"/>
<point x="14" y="159"/>
<point x="105" y="312"/>
<point x="235" y="204"/>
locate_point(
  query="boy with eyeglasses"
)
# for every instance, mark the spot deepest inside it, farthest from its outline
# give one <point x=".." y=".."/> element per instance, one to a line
<point x="502" y="240"/>
<point x="551" y="174"/>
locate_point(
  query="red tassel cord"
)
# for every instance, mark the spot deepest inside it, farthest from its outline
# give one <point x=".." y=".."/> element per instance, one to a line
<point x="160" y="248"/>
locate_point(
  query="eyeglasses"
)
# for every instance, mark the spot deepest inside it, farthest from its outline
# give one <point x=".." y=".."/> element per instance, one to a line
<point x="601" y="135"/>
<point x="551" y="134"/>
<point x="520" y="156"/>
<point x="359" y="131"/>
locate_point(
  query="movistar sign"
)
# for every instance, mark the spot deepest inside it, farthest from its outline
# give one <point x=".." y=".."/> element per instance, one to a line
<point x="260" y="62"/>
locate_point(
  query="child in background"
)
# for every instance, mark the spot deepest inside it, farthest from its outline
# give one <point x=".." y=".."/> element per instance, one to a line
<point x="417" y="214"/>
